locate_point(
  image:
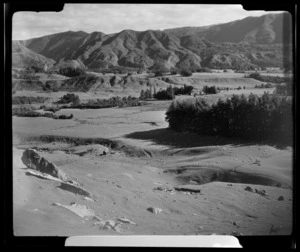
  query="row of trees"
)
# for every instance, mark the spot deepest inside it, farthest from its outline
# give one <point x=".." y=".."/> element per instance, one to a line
<point x="268" y="117"/>
<point x="266" y="78"/>
<point x="28" y="112"/>
<point x="108" y="103"/>
<point x="28" y="99"/>
<point x="167" y="94"/>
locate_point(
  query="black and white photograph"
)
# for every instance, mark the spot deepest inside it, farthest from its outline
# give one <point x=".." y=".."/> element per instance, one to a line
<point x="152" y="119"/>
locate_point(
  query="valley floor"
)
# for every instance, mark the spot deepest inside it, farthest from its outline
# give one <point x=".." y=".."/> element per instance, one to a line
<point x="178" y="184"/>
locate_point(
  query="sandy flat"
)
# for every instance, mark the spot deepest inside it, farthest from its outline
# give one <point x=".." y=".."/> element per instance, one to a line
<point x="124" y="185"/>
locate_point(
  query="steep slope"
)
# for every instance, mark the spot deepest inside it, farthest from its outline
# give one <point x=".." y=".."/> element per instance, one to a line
<point x="266" y="29"/>
<point x="23" y="57"/>
<point x="184" y="31"/>
<point x="57" y="46"/>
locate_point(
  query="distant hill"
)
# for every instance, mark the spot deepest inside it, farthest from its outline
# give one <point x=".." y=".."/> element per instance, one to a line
<point x="242" y="44"/>
<point x="23" y="57"/>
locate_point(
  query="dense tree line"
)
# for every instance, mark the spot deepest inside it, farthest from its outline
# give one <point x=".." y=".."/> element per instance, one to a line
<point x="26" y="112"/>
<point x="268" y="85"/>
<point x="28" y="99"/>
<point x="268" y="117"/>
<point x="266" y="78"/>
<point x="109" y="103"/>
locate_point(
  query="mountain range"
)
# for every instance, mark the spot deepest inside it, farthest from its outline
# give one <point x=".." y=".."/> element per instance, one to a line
<point x="242" y="44"/>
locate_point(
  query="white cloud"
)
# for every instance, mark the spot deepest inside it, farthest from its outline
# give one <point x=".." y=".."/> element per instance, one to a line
<point x="111" y="18"/>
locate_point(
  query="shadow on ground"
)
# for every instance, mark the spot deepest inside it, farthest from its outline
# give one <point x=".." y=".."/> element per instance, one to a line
<point x="176" y="139"/>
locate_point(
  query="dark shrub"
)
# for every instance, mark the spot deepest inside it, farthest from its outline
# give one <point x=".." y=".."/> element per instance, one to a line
<point x="185" y="90"/>
<point x="52" y="109"/>
<point x="174" y="71"/>
<point x="159" y="69"/>
<point x="167" y="94"/>
<point x="186" y="72"/>
<point x="68" y="98"/>
<point x="284" y="89"/>
<point x="71" y="71"/>
<point x="28" y="99"/>
<point x="209" y="90"/>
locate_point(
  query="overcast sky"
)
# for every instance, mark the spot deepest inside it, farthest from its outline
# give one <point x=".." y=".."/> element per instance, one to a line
<point x="112" y="18"/>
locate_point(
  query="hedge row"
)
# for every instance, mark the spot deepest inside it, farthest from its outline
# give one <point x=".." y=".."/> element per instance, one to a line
<point x="24" y="112"/>
<point x="267" y="78"/>
<point x="108" y="103"/>
<point x="28" y="100"/>
<point x="267" y="117"/>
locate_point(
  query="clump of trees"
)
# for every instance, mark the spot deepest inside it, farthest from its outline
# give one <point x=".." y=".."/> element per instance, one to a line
<point x="167" y="94"/>
<point x="51" y="86"/>
<point x="71" y="71"/>
<point x="186" y="72"/>
<point x="174" y="70"/>
<point x="185" y="90"/>
<point x="268" y="117"/>
<point x="69" y="98"/>
<point x="159" y="69"/>
<point x="209" y="90"/>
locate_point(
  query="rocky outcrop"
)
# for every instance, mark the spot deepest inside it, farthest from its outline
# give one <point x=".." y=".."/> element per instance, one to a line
<point x="34" y="161"/>
<point x="154" y="210"/>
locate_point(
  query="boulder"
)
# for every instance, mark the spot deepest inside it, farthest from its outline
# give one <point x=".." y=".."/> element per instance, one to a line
<point x="154" y="210"/>
<point x="34" y="161"/>
<point x="280" y="198"/>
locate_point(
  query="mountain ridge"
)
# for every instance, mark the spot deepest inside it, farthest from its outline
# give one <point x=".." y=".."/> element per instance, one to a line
<point x="247" y="43"/>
